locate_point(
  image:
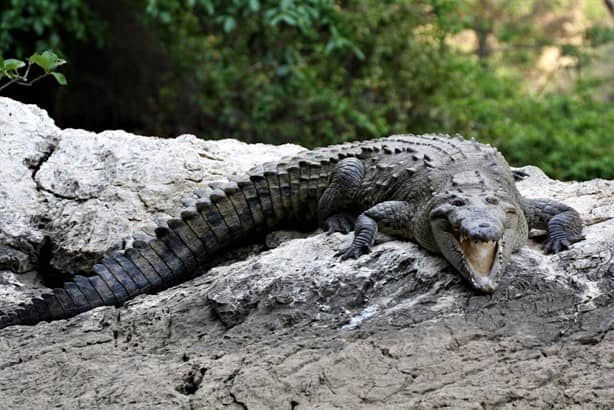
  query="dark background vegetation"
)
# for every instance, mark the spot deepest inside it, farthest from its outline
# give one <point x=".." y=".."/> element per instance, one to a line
<point x="535" y="78"/>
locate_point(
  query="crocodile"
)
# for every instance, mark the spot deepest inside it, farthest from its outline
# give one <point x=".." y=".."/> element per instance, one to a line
<point x="452" y="196"/>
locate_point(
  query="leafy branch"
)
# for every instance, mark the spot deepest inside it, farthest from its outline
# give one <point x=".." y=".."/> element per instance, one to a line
<point x="18" y="71"/>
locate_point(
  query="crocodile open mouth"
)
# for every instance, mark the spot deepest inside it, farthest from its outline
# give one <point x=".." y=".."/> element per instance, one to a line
<point x="480" y="255"/>
<point x="481" y="259"/>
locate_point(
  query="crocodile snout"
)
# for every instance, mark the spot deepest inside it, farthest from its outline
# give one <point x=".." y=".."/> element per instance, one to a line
<point x="485" y="284"/>
<point x="482" y="231"/>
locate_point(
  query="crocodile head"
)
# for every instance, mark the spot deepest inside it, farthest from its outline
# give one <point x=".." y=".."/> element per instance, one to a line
<point x="474" y="233"/>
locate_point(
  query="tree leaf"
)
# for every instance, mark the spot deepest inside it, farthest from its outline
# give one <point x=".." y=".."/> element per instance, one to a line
<point x="59" y="77"/>
<point x="358" y="52"/>
<point x="289" y="20"/>
<point x="52" y="56"/>
<point x="208" y="5"/>
<point x="254" y="5"/>
<point x="48" y="60"/>
<point x="41" y="61"/>
<point x="229" y="24"/>
<point x="165" y="17"/>
<point x="282" y="71"/>
<point x="12" y="64"/>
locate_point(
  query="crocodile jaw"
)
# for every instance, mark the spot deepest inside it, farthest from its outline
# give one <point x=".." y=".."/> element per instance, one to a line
<point x="481" y="261"/>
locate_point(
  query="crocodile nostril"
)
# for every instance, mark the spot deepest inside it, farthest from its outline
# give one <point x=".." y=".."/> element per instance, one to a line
<point x="484" y="225"/>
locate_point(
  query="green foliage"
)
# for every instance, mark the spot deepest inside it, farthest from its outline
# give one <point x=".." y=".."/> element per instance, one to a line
<point x="568" y="136"/>
<point x="311" y="71"/>
<point x="599" y="35"/>
<point x="27" y="25"/>
<point x="318" y="72"/>
<point x="10" y="66"/>
<point x="48" y="62"/>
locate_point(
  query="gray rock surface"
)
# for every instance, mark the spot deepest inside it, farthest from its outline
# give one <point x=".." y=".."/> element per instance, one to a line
<point x="290" y="327"/>
<point x="27" y="138"/>
<point x="69" y="195"/>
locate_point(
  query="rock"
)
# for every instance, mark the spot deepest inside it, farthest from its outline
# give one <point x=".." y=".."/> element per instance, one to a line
<point x="292" y="326"/>
<point x="105" y="187"/>
<point x="27" y="138"/>
<point x="89" y="192"/>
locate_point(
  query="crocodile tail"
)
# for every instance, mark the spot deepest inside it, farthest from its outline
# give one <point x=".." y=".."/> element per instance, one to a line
<point x="219" y="217"/>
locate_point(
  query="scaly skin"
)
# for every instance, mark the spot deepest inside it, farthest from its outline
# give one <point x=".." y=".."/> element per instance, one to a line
<point x="453" y="197"/>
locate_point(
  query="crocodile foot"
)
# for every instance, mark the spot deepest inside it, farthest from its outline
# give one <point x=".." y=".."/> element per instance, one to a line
<point x="556" y="245"/>
<point x="353" y="251"/>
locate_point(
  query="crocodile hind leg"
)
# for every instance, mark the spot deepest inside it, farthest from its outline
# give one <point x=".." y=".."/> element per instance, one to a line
<point x="391" y="217"/>
<point x="562" y="222"/>
<point x="337" y="205"/>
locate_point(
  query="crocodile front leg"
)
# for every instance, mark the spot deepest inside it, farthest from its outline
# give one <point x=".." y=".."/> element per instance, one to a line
<point x="562" y="222"/>
<point x="337" y="206"/>
<point x="391" y="217"/>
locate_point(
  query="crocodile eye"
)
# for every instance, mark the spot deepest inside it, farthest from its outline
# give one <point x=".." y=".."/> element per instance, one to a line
<point x="492" y="200"/>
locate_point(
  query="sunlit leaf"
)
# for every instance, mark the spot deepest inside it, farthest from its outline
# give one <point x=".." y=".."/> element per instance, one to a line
<point x="59" y="77"/>
<point x="358" y="53"/>
<point x="12" y="64"/>
<point x="208" y="5"/>
<point x="165" y="17"/>
<point x="254" y="5"/>
<point x="282" y="71"/>
<point x="47" y="60"/>
<point x="229" y="24"/>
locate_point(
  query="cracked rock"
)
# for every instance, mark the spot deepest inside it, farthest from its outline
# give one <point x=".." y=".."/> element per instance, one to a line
<point x="89" y="192"/>
<point x="27" y="137"/>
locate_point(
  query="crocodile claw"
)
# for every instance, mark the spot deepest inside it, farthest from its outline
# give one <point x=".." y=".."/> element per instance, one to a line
<point x="353" y="252"/>
<point x="561" y="244"/>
